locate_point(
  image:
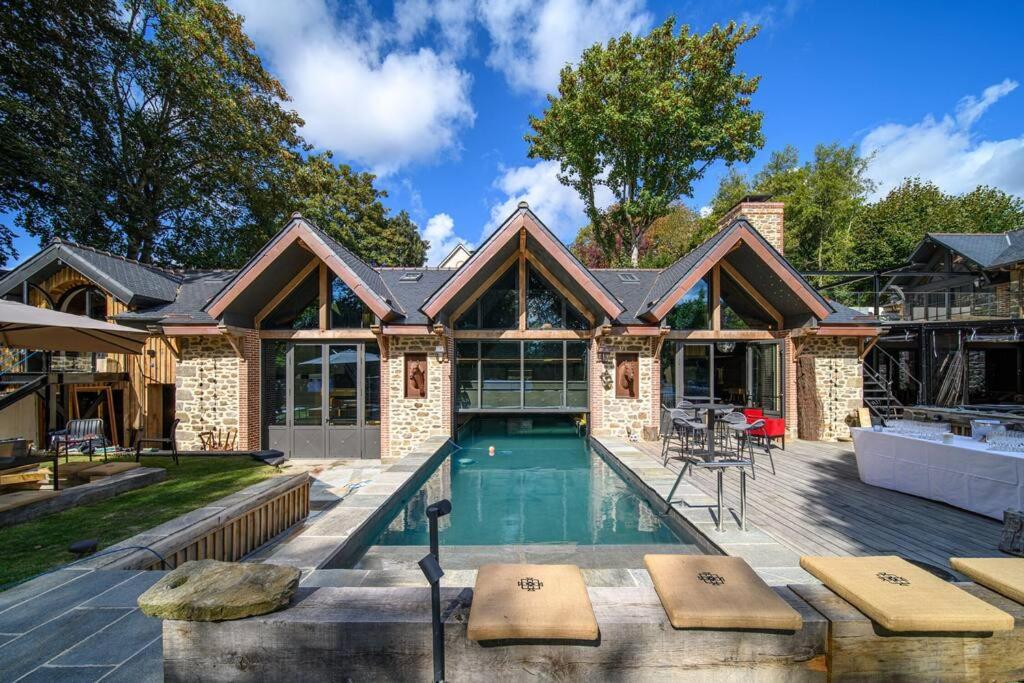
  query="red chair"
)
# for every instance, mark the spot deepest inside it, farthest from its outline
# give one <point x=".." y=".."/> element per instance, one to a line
<point x="774" y="427"/>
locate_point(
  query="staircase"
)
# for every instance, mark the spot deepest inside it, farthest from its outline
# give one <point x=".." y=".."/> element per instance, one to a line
<point x="15" y="384"/>
<point x="878" y="396"/>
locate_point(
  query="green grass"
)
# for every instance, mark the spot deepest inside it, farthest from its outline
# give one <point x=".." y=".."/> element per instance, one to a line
<point x="30" y="548"/>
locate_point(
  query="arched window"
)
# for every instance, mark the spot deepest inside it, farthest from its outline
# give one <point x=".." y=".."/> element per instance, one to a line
<point x="85" y="300"/>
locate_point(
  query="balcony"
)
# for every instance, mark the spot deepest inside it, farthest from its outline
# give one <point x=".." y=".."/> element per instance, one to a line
<point x="937" y="306"/>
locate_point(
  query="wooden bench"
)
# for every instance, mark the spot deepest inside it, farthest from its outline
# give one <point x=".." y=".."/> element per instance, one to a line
<point x="107" y="469"/>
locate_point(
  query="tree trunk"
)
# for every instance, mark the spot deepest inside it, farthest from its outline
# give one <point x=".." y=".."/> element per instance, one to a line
<point x="634" y="255"/>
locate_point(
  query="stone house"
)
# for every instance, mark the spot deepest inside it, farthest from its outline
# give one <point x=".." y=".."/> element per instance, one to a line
<point x="310" y="350"/>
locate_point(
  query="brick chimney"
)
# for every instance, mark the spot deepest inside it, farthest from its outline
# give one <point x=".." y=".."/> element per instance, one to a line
<point x="765" y="216"/>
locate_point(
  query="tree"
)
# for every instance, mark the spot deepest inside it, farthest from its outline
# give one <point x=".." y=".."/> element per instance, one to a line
<point x="644" y="117"/>
<point x="155" y="132"/>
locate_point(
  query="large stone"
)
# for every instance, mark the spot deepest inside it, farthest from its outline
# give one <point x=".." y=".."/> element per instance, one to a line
<point x="210" y="590"/>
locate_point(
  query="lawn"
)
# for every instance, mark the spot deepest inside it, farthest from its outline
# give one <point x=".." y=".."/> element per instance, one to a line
<point x="33" y="547"/>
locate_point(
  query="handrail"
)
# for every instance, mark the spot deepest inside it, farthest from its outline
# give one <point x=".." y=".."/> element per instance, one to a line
<point x="903" y="366"/>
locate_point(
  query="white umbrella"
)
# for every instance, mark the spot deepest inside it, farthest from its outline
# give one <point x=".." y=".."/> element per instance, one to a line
<point x="30" y="327"/>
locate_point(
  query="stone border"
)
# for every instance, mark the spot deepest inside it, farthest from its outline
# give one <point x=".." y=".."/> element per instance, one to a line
<point x="84" y="494"/>
<point x="171" y="536"/>
<point x="693" y="511"/>
<point x="341" y="534"/>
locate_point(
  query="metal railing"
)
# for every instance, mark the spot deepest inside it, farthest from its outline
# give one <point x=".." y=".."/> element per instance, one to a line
<point x="895" y="305"/>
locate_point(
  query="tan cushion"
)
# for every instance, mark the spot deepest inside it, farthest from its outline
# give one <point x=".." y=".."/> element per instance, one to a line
<point x="902" y="597"/>
<point x="1004" y="575"/>
<point x="75" y="469"/>
<point x="531" y="601"/>
<point x="17" y="499"/>
<point x="708" y="591"/>
<point x="107" y="469"/>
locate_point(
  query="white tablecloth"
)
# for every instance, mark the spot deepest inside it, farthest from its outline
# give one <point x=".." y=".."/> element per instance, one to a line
<point x="965" y="473"/>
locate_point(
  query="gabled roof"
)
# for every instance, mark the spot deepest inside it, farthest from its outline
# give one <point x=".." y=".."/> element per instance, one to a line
<point x="676" y="280"/>
<point x="194" y="293"/>
<point x="985" y="250"/>
<point x="523" y="219"/>
<point x="411" y="293"/>
<point x="459" y="252"/>
<point x="360" y="277"/>
<point x="630" y="294"/>
<point x="129" y="281"/>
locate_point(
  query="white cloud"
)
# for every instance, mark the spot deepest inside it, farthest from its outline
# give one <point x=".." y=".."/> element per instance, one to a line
<point x="371" y="100"/>
<point x="946" y="152"/>
<point x="770" y="16"/>
<point x="531" y="41"/>
<point x="440" y="232"/>
<point x="557" y="205"/>
<point x="705" y="211"/>
<point x="452" y="19"/>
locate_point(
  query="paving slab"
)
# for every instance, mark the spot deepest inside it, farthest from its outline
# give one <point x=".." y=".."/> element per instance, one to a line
<point x="37" y="611"/>
<point x="126" y="594"/>
<point x="145" y="666"/>
<point x="34" y="588"/>
<point x="67" y="674"/>
<point x="115" y="643"/>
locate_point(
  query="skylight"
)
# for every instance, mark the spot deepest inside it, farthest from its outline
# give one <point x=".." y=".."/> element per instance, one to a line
<point x="410" y="277"/>
<point x="629" y="277"/>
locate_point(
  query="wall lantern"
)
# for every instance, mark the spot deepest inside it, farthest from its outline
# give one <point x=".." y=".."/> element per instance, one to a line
<point x="439" y="353"/>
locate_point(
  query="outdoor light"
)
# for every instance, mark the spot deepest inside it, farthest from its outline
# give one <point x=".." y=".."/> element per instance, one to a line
<point x="430" y="565"/>
<point x="439" y="353"/>
<point x="725" y="346"/>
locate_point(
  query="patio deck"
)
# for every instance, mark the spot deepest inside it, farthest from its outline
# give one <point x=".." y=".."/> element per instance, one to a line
<point x="817" y="505"/>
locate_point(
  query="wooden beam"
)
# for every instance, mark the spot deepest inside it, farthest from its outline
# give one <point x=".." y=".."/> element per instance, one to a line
<point x="521" y="334"/>
<point x="722" y="335"/>
<point x="637" y="330"/>
<point x="190" y="330"/>
<point x="660" y="341"/>
<point x="325" y="298"/>
<point x="553" y="281"/>
<point x="716" y="298"/>
<point x="292" y="284"/>
<point x="491" y="279"/>
<point x="522" y="278"/>
<point x="381" y="341"/>
<point x="160" y="334"/>
<point x="752" y="293"/>
<point x="231" y="335"/>
<point x="407" y="330"/>
<point x="352" y="334"/>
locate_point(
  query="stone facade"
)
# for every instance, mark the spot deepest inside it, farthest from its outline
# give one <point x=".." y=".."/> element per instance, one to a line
<point x="621" y="417"/>
<point x="411" y="421"/>
<point x="839" y="381"/>
<point x="208" y="388"/>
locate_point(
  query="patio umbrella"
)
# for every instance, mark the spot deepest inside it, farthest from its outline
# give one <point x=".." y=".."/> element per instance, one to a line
<point x="30" y="327"/>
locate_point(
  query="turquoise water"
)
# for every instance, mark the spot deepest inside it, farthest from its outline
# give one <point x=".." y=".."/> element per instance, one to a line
<point x="542" y="485"/>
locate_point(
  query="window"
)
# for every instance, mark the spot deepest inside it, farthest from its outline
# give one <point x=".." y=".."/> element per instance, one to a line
<point x="371" y="382"/>
<point x="87" y="301"/>
<point x="738" y="309"/>
<point x="347" y="309"/>
<point x="629" y="277"/>
<point x="692" y="312"/>
<point x="521" y="375"/>
<point x="497" y="308"/>
<point x="627" y="375"/>
<point x="275" y="383"/>
<point x="547" y="309"/>
<point x="300" y="310"/>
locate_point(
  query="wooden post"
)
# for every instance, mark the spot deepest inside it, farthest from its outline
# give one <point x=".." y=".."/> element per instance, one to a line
<point x="716" y="298"/>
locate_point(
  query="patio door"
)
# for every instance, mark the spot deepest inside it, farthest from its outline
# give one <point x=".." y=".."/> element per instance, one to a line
<point x="693" y="372"/>
<point x="764" y="376"/>
<point x="322" y="400"/>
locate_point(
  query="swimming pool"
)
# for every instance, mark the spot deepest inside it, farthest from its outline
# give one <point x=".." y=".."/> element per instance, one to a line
<point x="542" y="485"/>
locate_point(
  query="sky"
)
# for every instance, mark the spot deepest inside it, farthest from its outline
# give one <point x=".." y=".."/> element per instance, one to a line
<point x="434" y="97"/>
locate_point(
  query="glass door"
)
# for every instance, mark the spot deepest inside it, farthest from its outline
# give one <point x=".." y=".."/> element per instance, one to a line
<point x="764" y="376"/>
<point x="343" y="399"/>
<point x="307" y="411"/>
<point x="693" y="372"/>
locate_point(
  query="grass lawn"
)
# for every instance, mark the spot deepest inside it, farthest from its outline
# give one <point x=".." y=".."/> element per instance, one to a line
<point x="33" y="547"/>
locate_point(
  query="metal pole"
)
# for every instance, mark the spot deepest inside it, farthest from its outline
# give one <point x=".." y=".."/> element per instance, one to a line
<point x="435" y="607"/>
<point x="743" y="499"/>
<point x="718" y="525"/>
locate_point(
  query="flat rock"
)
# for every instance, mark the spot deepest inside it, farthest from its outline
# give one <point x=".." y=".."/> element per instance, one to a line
<point x="211" y="590"/>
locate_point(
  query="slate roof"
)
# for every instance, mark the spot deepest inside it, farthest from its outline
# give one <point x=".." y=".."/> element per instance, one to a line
<point x="411" y="295"/>
<point x="844" y="315"/>
<point x="988" y="250"/>
<point x="361" y="268"/>
<point x="632" y="295"/>
<point x="195" y="291"/>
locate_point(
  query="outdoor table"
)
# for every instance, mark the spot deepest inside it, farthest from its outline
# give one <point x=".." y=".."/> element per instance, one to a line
<point x="964" y="473"/>
<point x="709" y="462"/>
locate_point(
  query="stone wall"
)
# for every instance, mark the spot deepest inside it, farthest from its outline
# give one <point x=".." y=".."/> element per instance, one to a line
<point x="765" y="217"/>
<point x="208" y="388"/>
<point x="839" y="381"/>
<point x="412" y="420"/>
<point x="621" y="417"/>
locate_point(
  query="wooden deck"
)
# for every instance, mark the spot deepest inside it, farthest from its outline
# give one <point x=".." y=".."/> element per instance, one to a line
<point x="817" y="505"/>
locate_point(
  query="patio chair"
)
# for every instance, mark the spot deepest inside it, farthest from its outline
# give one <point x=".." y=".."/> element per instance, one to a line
<point x="80" y="433"/>
<point x="746" y="434"/>
<point x="727" y="428"/>
<point x="171" y="442"/>
<point x="684" y="425"/>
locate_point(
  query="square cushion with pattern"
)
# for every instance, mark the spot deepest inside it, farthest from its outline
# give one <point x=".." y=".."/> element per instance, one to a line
<point x="1004" y="575"/>
<point x="902" y="597"/>
<point x="706" y="591"/>
<point x="531" y="602"/>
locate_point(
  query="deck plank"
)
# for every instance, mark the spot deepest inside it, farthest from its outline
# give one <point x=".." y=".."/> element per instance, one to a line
<point x="816" y="504"/>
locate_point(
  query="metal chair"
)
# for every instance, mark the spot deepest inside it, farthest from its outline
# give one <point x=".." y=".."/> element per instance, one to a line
<point x="79" y="432"/>
<point x="171" y="441"/>
<point x="746" y="438"/>
<point x="725" y="425"/>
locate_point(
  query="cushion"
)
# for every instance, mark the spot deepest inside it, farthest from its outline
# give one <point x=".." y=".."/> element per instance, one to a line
<point x="1004" y="575"/>
<point x="709" y="591"/>
<point x="902" y="597"/>
<point x="531" y="601"/>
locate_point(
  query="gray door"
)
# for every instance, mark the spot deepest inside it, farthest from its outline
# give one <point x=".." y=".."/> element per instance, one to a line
<point x="307" y="401"/>
<point x="344" y="400"/>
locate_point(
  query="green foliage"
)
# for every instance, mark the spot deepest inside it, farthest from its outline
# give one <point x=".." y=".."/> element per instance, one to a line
<point x="644" y="116"/>
<point x="150" y="128"/>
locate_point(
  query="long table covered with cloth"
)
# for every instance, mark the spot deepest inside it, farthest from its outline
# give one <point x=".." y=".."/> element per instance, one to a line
<point x="963" y="473"/>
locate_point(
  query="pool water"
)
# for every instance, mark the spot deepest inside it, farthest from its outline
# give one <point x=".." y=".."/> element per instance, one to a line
<point x="543" y="484"/>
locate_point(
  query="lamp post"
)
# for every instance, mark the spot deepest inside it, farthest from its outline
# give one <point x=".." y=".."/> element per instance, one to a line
<point x="430" y="565"/>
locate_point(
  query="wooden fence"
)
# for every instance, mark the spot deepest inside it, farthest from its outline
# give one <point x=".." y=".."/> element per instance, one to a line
<point x="240" y="536"/>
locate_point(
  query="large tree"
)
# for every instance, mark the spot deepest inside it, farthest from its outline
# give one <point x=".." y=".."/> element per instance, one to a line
<point x="644" y="117"/>
<point x="151" y="128"/>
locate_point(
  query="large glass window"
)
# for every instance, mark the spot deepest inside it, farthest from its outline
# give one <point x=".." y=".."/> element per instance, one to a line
<point x="696" y="371"/>
<point x="543" y="373"/>
<point x="514" y="375"/>
<point x="87" y="301"/>
<point x="275" y="383"/>
<point x="308" y="385"/>
<point x="300" y="310"/>
<point x="765" y="377"/>
<point x="738" y="309"/>
<point x="547" y="309"/>
<point x="347" y="309"/>
<point x="497" y="308"/>
<point x="342" y="398"/>
<point x="692" y="311"/>
<point x="371" y="380"/>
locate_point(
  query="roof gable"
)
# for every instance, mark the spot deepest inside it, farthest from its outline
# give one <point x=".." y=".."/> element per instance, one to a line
<point x="302" y="237"/>
<point x="676" y="280"/>
<point x="522" y="225"/>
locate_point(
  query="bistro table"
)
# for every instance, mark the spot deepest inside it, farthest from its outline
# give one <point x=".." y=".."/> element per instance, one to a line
<point x="708" y="461"/>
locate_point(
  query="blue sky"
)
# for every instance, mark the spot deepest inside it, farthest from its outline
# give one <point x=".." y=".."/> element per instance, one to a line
<point x="434" y="96"/>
